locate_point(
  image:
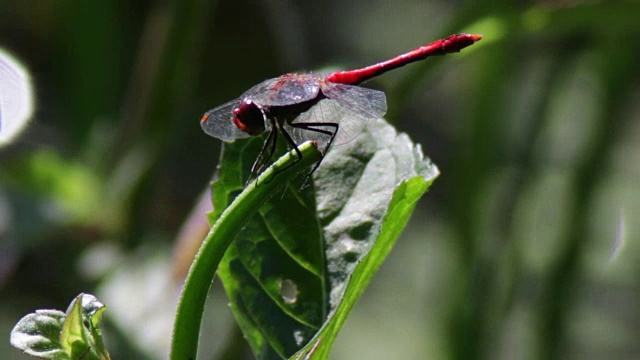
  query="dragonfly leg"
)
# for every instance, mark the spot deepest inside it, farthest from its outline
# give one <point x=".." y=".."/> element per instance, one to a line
<point x="292" y="145"/>
<point x="268" y="148"/>
<point x="314" y="127"/>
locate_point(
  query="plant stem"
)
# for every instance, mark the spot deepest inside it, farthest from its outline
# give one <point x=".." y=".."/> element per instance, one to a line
<point x="194" y="294"/>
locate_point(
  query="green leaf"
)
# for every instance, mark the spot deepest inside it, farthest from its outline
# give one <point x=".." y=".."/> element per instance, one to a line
<point x="296" y="269"/>
<point x="52" y="334"/>
<point x="37" y="334"/>
<point x="398" y="212"/>
<point x="361" y="228"/>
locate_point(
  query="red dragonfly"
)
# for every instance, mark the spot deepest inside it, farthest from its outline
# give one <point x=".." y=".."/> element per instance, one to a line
<point x="329" y="110"/>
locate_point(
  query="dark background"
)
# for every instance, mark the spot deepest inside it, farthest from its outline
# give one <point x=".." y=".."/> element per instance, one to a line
<point x="527" y="246"/>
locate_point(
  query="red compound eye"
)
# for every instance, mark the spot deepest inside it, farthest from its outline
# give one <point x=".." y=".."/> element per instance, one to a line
<point x="249" y="118"/>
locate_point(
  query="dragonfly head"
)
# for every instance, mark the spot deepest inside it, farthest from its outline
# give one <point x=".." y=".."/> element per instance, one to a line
<point x="248" y="117"/>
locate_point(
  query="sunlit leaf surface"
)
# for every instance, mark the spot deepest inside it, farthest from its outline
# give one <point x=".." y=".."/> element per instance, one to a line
<point x="52" y="334"/>
<point x="290" y="267"/>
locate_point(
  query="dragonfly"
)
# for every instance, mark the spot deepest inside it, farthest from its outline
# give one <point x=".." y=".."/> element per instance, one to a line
<point x="328" y="110"/>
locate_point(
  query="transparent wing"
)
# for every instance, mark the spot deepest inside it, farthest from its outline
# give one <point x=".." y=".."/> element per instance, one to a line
<point x="285" y="90"/>
<point x="320" y="117"/>
<point x="219" y="124"/>
<point x="351" y="107"/>
<point x="368" y="103"/>
<point x="322" y="112"/>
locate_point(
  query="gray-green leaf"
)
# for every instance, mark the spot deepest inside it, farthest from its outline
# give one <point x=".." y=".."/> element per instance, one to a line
<point x="52" y="334"/>
<point x="298" y="267"/>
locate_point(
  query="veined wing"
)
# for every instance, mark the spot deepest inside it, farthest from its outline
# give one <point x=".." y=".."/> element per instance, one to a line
<point x="351" y="107"/>
<point x="218" y="122"/>
<point x="320" y="117"/>
<point x="285" y="90"/>
<point x="368" y="103"/>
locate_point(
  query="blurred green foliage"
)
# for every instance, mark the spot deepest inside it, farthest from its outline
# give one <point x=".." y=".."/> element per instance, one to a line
<point x="528" y="245"/>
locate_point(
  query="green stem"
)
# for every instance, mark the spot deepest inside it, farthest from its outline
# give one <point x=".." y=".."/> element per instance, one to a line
<point x="194" y="294"/>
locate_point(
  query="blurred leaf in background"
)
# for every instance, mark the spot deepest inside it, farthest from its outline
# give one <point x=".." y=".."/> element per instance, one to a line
<point x="527" y="248"/>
